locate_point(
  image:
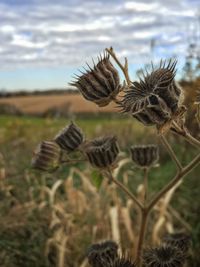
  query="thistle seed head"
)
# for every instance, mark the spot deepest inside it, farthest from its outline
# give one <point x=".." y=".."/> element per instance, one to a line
<point x="164" y="256"/>
<point x="99" y="84"/>
<point x="145" y="156"/>
<point x="102" y="254"/>
<point x="102" y="152"/>
<point x="69" y="138"/>
<point x="46" y="156"/>
<point x="179" y="240"/>
<point x="156" y="97"/>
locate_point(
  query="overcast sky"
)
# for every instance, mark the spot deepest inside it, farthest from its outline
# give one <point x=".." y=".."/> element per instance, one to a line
<point x="43" y="42"/>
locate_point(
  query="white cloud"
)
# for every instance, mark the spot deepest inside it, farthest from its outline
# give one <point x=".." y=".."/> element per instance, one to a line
<point x="49" y="33"/>
<point x="138" y="6"/>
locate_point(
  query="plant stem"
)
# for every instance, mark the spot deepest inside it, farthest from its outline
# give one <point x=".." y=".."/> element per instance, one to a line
<point x="124" y="188"/>
<point x="171" y="152"/>
<point x="144" y="218"/>
<point x="146" y="170"/>
<point x="123" y="68"/>
<point x="185" y="133"/>
<point x="174" y="181"/>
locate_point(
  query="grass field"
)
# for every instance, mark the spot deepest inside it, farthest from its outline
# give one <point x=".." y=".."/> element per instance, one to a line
<point x="26" y="213"/>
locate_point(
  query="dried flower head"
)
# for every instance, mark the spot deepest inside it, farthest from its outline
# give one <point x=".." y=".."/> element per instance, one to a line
<point x="102" y="152"/>
<point x="102" y="254"/>
<point x="124" y="262"/>
<point x="164" y="256"/>
<point x="156" y="98"/>
<point x="99" y="84"/>
<point x="69" y="138"/>
<point x="179" y="240"/>
<point x="145" y="156"/>
<point x="46" y="156"/>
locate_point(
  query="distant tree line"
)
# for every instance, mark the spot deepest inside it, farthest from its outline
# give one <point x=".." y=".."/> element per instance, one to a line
<point x="4" y="93"/>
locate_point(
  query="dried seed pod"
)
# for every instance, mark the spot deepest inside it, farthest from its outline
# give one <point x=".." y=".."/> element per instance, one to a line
<point x="102" y="152"/>
<point x="179" y="240"/>
<point x="145" y="156"/>
<point x="156" y="98"/>
<point x="124" y="262"/>
<point x="102" y="254"/>
<point x="46" y="156"/>
<point x="164" y="256"/>
<point x="99" y="84"/>
<point x="69" y="138"/>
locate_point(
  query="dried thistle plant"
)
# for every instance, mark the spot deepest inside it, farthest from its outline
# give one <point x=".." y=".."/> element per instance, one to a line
<point x="155" y="100"/>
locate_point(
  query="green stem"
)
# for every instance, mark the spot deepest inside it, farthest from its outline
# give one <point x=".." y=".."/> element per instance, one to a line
<point x="146" y="170"/>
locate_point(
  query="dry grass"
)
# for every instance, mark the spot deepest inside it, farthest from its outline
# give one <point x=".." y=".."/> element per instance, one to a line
<point x="50" y="220"/>
<point x="41" y="103"/>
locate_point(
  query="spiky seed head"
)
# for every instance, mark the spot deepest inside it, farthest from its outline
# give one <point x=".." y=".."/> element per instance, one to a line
<point x="156" y="97"/>
<point x="179" y="240"/>
<point x="46" y="156"/>
<point x="102" y="254"/>
<point x="99" y="84"/>
<point x="124" y="262"/>
<point x="164" y="256"/>
<point x="102" y="152"/>
<point x="69" y="138"/>
<point x="145" y="156"/>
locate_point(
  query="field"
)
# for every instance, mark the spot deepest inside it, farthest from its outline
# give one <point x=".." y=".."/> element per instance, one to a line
<point x="40" y="103"/>
<point x="38" y="209"/>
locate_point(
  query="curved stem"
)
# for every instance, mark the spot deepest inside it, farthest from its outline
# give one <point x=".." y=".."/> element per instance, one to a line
<point x="123" y="68"/>
<point x="174" y="181"/>
<point x="171" y="152"/>
<point x="124" y="188"/>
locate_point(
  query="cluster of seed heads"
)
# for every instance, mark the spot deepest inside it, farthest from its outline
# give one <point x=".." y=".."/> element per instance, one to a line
<point x="101" y="152"/>
<point x="172" y="253"/>
<point x="155" y="100"/>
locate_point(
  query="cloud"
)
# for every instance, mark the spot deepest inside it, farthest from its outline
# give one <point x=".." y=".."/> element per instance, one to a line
<point x="45" y="33"/>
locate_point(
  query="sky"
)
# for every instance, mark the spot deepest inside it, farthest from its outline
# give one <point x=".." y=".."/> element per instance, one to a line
<point x="44" y="42"/>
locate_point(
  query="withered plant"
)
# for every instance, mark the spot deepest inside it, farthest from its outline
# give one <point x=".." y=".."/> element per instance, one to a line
<point x="155" y="100"/>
